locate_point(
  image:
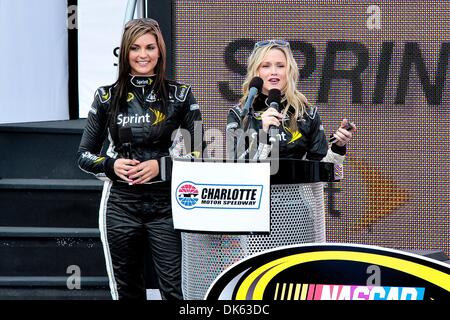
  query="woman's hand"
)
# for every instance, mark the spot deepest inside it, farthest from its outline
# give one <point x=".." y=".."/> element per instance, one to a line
<point x="345" y="132"/>
<point x="143" y="172"/>
<point x="271" y="117"/>
<point x="122" y="168"/>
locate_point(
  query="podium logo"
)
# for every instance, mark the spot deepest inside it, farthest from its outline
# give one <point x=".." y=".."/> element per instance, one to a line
<point x="216" y="196"/>
<point x="187" y="195"/>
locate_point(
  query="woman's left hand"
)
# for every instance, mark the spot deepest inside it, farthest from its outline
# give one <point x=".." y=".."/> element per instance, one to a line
<point x="344" y="133"/>
<point x="144" y="172"/>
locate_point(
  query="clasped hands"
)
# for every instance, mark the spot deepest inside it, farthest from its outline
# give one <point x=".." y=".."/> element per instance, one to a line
<point x="136" y="172"/>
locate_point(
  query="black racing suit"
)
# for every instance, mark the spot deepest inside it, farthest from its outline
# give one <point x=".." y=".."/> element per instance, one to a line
<point x="308" y="142"/>
<point x="136" y="218"/>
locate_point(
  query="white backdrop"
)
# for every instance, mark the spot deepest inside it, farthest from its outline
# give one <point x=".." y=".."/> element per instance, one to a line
<point x="33" y="61"/>
<point x="100" y="24"/>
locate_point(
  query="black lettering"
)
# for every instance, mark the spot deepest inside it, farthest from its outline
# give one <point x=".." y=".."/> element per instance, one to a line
<point x="331" y="189"/>
<point x="412" y="55"/>
<point x="309" y="52"/>
<point x="384" y="64"/>
<point x="205" y="193"/>
<point x="116" y="54"/>
<point x="223" y="195"/>
<point x="233" y="65"/>
<point x="305" y="54"/>
<point x="329" y="73"/>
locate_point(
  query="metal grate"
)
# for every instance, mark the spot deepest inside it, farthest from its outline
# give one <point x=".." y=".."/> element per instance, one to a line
<point x="297" y="216"/>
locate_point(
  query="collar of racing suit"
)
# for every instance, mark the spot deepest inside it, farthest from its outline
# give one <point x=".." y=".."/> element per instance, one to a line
<point x="260" y="103"/>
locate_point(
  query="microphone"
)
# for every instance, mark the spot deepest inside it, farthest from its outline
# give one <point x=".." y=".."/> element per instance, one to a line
<point x="274" y="100"/>
<point x="125" y="137"/>
<point x="254" y="88"/>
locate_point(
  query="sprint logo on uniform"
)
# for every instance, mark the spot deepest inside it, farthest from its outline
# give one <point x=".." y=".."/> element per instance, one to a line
<point x="141" y="81"/>
<point x="93" y="157"/>
<point x="144" y="82"/>
<point x="154" y="119"/>
<point x="191" y="195"/>
<point x="295" y="135"/>
<point x="159" y="116"/>
<point x="136" y="119"/>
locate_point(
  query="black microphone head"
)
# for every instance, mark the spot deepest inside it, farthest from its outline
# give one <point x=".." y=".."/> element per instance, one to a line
<point x="254" y="88"/>
<point x="274" y="96"/>
<point x="125" y="134"/>
<point x="257" y="83"/>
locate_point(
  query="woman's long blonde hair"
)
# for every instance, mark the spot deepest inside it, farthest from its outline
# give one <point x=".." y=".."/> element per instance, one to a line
<point x="294" y="98"/>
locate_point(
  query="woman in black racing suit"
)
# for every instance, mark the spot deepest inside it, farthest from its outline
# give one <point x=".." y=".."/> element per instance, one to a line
<point x="299" y="130"/>
<point x="138" y="114"/>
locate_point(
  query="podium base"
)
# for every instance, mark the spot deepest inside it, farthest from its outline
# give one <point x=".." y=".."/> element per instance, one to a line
<point x="297" y="216"/>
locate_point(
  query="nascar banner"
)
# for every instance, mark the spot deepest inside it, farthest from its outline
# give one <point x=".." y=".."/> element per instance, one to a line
<point x="221" y="197"/>
<point x="333" y="272"/>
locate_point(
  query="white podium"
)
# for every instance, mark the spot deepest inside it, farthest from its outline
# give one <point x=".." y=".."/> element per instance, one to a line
<point x="296" y="216"/>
